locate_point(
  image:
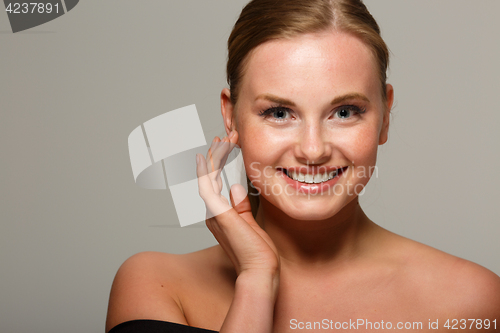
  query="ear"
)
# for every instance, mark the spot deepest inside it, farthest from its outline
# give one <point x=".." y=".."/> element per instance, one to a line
<point x="227" y="110"/>
<point x="384" y="131"/>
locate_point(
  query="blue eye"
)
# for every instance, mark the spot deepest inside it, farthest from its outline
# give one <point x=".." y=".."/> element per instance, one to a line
<point x="347" y="111"/>
<point x="278" y="113"/>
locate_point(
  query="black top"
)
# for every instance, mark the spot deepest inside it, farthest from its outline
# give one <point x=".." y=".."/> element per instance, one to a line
<point x="155" y="326"/>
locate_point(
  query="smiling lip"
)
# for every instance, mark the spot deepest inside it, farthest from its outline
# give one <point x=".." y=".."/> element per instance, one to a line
<point x="312" y="188"/>
<point x="313" y="170"/>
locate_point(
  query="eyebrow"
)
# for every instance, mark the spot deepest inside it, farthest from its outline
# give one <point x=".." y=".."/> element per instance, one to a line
<point x="275" y="99"/>
<point x="349" y="96"/>
<point x="336" y="100"/>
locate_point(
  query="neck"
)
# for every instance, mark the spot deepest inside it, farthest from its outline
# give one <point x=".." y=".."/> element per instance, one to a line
<point x="315" y="244"/>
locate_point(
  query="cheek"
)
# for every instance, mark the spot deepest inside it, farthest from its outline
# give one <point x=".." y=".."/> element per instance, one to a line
<point x="360" y="148"/>
<point x="360" y="142"/>
<point x="365" y="146"/>
<point x="256" y="156"/>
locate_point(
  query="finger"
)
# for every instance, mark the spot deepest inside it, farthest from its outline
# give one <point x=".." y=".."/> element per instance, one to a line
<point x="220" y="149"/>
<point x="209" y="154"/>
<point x="213" y="164"/>
<point x="234" y="234"/>
<point x="204" y="183"/>
<point x="228" y="143"/>
<point x="220" y="153"/>
<point x="219" y="182"/>
<point x="223" y="155"/>
<point x="241" y="202"/>
<point x="213" y="200"/>
<point x="233" y="137"/>
<point x="211" y="160"/>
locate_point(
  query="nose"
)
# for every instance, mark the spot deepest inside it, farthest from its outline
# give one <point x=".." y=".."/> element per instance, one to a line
<point x="313" y="147"/>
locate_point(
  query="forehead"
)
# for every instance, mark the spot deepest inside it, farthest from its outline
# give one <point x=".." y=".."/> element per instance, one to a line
<point x="332" y="62"/>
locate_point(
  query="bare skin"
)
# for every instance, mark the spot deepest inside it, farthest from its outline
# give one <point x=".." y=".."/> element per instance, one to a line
<point x="403" y="281"/>
<point x="304" y="258"/>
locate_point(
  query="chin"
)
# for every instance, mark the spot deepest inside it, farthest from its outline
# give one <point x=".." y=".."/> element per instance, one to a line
<point x="314" y="210"/>
<point x="311" y="216"/>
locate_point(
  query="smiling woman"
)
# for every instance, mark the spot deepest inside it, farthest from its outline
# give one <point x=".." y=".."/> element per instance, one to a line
<point x="323" y="111"/>
<point x="309" y="105"/>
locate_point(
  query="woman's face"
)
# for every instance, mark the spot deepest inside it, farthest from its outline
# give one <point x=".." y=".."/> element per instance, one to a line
<point x="310" y="105"/>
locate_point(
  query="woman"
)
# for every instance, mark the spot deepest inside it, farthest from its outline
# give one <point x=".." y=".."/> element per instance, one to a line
<point x="308" y="104"/>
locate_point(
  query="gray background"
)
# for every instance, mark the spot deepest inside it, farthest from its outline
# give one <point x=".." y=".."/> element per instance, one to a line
<point x="73" y="89"/>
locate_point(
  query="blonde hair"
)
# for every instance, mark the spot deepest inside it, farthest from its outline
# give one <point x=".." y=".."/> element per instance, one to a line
<point x="264" y="20"/>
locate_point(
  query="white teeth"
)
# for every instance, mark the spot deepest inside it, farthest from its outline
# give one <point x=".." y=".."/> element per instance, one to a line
<point x="318" y="178"/>
<point x="308" y="178"/>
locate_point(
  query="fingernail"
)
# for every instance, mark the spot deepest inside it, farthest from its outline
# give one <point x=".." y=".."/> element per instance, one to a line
<point x="198" y="159"/>
<point x="232" y="134"/>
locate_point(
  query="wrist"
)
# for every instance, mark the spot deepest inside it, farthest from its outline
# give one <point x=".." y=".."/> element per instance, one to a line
<point x="258" y="283"/>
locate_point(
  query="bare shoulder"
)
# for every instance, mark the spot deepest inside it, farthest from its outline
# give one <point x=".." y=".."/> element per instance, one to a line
<point x="152" y="285"/>
<point x="479" y="290"/>
<point x="456" y="287"/>
<point x="141" y="291"/>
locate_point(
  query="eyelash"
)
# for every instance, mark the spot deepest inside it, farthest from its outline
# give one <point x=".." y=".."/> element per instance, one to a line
<point x="267" y="112"/>
<point x="353" y="108"/>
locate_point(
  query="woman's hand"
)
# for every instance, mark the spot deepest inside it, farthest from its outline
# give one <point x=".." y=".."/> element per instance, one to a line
<point x="249" y="247"/>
